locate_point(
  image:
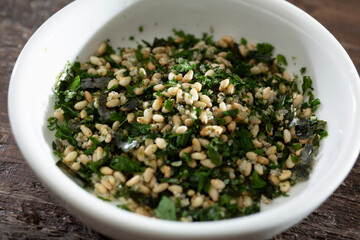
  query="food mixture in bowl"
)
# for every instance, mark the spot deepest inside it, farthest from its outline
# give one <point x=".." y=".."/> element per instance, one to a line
<point x="186" y="128"/>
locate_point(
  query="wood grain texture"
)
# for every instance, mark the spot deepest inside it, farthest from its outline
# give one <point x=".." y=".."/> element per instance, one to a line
<point x="27" y="211"/>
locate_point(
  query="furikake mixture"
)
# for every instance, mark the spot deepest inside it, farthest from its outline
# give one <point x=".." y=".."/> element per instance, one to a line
<point x="186" y="128"/>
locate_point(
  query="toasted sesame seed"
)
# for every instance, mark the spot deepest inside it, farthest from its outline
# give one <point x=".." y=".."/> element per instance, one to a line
<point x="197" y="201"/>
<point x="198" y="156"/>
<point x="86" y="131"/>
<point x="119" y="176"/>
<point x="188" y="76"/>
<point x="106" y="170"/>
<point x="100" y="188"/>
<point x="125" y="81"/>
<point x="95" y="61"/>
<point x="222" y="43"/>
<point x="101" y="49"/>
<point x="196" y="144"/>
<point x="207" y="163"/>
<point x="158" y="118"/>
<point x="224" y="84"/>
<point x="157" y="104"/>
<point x="148" y="115"/>
<point x="181" y="129"/>
<point x="150" y="149"/>
<point x="217" y="183"/>
<point x="287" y="136"/>
<point x="134" y="180"/>
<point x="148" y="174"/>
<point x="70" y="157"/>
<point x="262" y="160"/>
<point x="167" y="171"/>
<point x="175" y="189"/>
<point x="161" y="143"/>
<point x="160" y="187"/>
<point x="284" y="186"/>
<point x="214" y="194"/>
<point x="206" y="100"/>
<point x="88" y="97"/>
<point x="113" y="103"/>
<point x="80" y="105"/>
<point x="285" y="175"/>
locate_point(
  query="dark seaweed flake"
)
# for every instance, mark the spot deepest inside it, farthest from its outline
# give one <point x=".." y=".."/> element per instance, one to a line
<point x="90" y="83"/>
<point x="159" y="42"/>
<point x="74" y="124"/>
<point x="303" y="168"/>
<point x="59" y="145"/>
<point x="132" y="104"/>
<point x="104" y="112"/>
<point x="235" y="51"/>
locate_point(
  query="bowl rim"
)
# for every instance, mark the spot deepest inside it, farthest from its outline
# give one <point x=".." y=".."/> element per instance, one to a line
<point x="158" y="227"/>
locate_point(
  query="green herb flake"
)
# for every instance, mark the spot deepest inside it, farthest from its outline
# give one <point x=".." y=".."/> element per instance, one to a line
<point x="117" y="116"/>
<point x="214" y="155"/>
<point x="187" y="157"/>
<point x="232" y="113"/>
<point x="264" y="48"/>
<point x="244" y="140"/>
<point x="139" y="56"/>
<point x="323" y="134"/>
<point x="169" y="104"/>
<point x="307" y="82"/>
<point x="139" y="128"/>
<point x="94" y="145"/>
<point x="104" y="199"/>
<point x="243" y="41"/>
<point x="302" y="70"/>
<point x="166" y="209"/>
<point x="294" y="159"/>
<point x="124" y="163"/>
<point x="296" y="146"/>
<point x="219" y="121"/>
<point x="75" y="85"/>
<point x="123" y="206"/>
<point x="281" y="59"/>
<point x="256" y="181"/>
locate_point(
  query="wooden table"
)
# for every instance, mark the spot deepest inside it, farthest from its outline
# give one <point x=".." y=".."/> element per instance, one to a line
<point x="27" y="211"/>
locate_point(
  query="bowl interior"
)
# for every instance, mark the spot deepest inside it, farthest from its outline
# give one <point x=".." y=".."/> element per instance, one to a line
<point x="303" y="41"/>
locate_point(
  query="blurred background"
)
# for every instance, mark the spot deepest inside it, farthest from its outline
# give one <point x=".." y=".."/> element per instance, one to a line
<point x="27" y="211"/>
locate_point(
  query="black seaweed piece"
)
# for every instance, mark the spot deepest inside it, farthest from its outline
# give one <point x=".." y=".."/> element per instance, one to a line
<point x="235" y="51"/>
<point x="132" y="104"/>
<point x="59" y="145"/>
<point x="90" y="83"/>
<point x="62" y="86"/>
<point x="302" y="169"/>
<point x="74" y="124"/>
<point x="261" y="57"/>
<point x="104" y="112"/>
<point x="305" y="128"/>
<point x="159" y="42"/>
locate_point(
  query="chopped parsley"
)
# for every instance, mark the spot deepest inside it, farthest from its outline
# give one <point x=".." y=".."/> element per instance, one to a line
<point x="166" y="209"/>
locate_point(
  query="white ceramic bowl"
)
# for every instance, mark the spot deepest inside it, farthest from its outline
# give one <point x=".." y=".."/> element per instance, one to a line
<point x="76" y="30"/>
